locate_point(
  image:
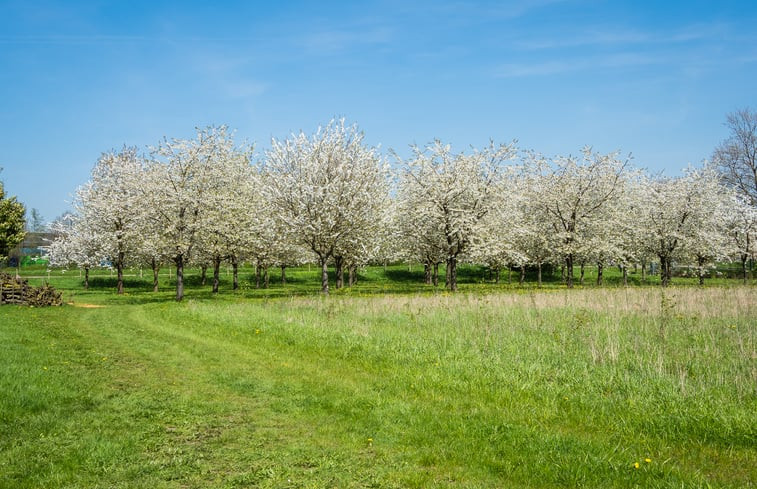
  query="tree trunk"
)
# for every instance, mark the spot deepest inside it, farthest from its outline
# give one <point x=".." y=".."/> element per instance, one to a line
<point x="744" y="275"/>
<point x="324" y="276"/>
<point x="257" y="274"/>
<point x="435" y="275"/>
<point x="86" y="278"/>
<point x="522" y="277"/>
<point x="583" y="269"/>
<point x="643" y="270"/>
<point x="120" y="272"/>
<point x="155" y="271"/>
<point x="339" y="270"/>
<point x="265" y="277"/>
<point x="427" y="273"/>
<point x="351" y="275"/>
<point x="569" y="271"/>
<point x="509" y="274"/>
<point x="179" y="260"/>
<point x="600" y="272"/>
<point x="625" y="275"/>
<point x="235" y="272"/>
<point x="669" y="270"/>
<point x="203" y="274"/>
<point x="446" y="275"/>
<point x="216" y="273"/>
<point x="283" y="274"/>
<point x="538" y="274"/>
<point x="664" y="271"/>
<point x="700" y="269"/>
<point x="496" y="275"/>
<point x="452" y="273"/>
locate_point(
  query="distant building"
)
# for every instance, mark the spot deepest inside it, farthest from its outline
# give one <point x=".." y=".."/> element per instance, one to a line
<point x="29" y="248"/>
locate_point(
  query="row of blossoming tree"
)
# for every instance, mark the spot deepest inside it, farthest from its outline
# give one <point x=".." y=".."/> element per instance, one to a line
<point x="330" y="198"/>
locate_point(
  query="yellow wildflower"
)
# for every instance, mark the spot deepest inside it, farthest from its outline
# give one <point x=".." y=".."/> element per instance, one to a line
<point x="636" y="465"/>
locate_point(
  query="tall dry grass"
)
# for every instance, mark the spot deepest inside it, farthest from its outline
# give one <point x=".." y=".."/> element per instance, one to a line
<point x="714" y="302"/>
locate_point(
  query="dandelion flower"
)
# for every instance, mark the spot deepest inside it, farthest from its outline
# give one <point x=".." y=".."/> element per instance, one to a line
<point x="636" y="465"/>
<point x="648" y="460"/>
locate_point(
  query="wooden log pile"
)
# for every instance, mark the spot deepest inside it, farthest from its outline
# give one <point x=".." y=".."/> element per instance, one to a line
<point x="14" y="290"/>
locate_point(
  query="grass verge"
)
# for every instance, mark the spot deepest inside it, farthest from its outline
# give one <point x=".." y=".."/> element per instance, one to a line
<point x="538" y="389"/>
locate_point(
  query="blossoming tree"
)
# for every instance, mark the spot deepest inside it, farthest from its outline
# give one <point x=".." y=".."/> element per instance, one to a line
<point x="327" y="189"/>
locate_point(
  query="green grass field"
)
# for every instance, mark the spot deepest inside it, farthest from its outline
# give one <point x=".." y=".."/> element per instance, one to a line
<point x="391" y="384"/>
<point x="394" y="279"/>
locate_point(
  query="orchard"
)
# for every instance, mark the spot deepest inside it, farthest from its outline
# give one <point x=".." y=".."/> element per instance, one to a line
<point x="329" y="199"/>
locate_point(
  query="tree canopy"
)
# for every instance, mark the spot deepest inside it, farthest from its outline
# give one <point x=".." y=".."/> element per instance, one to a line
<point x="12" y="223"/>
<point x="328" y="198"/>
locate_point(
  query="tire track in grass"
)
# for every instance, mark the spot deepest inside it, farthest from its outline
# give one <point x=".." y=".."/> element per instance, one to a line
<point x="324" y="398"/>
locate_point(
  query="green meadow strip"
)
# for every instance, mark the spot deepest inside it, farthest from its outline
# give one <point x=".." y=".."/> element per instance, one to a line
<point x="503" y="390"/>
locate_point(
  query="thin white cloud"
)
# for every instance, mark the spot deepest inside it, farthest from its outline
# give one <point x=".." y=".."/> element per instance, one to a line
<point x="242" y="88"/>
<point x="596" y="38"/>
<point x="550" y="67"/>
<point x="517" y="70"/>
<point x="515" y="9"/>
<point x="94" y="39"/>
<point x="115" y="39"/>
<point x="330" y="41"/>
<point x="608" y="36"/>
<point x="692" y="64"/>
<point x="231" y="75"/>
<point x="461" y="10"/>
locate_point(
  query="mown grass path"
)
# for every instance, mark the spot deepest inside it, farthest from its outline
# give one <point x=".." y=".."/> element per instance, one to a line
<point x="504" y="390"/>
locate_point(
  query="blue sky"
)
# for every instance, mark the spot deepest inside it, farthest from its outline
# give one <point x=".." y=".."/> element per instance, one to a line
<point x="655" y="79"/>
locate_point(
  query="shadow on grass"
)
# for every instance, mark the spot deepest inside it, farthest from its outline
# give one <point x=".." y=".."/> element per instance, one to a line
<point x="301" y="282"/>
<point x="112" y="283"/>
<point x="304" y="281"/>
<point x="404" y="276"/>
